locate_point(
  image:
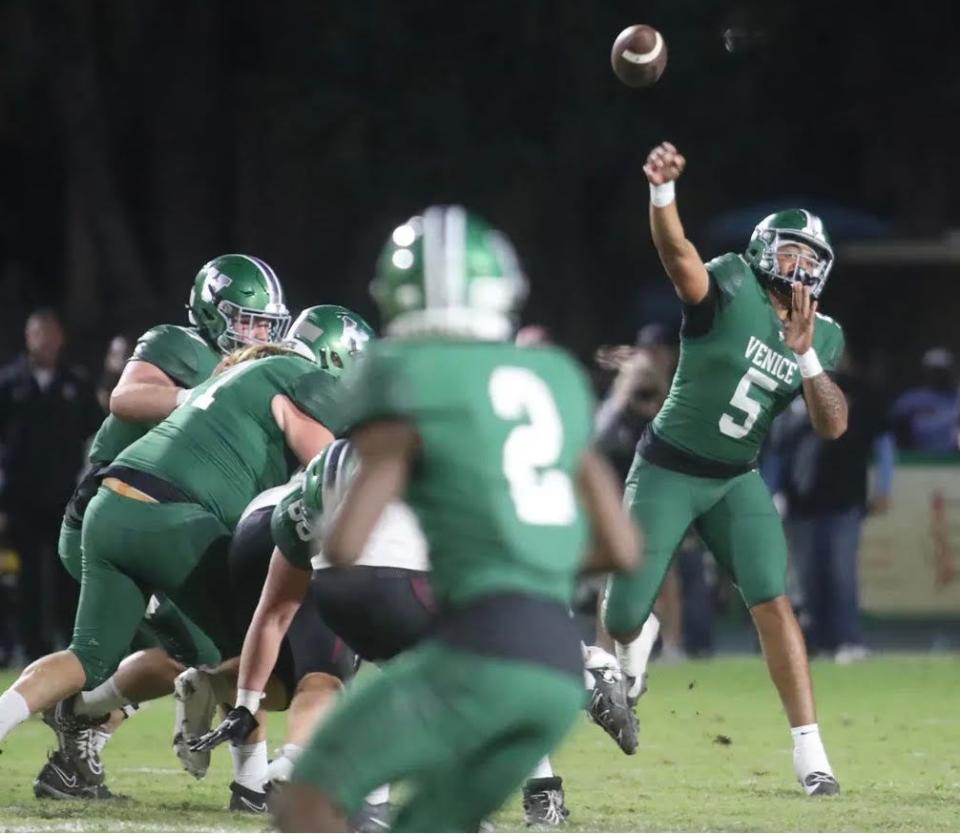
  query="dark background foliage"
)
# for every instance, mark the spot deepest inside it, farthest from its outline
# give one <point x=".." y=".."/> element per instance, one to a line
<point x="139" y="139"/>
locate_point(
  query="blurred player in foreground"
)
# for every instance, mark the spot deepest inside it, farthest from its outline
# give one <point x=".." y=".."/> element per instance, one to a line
<point x="489" y="443"/>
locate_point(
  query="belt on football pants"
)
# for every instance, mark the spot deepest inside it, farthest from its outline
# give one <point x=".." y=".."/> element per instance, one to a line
<point x="142" y="486"/>
<point x="127" y="491"/>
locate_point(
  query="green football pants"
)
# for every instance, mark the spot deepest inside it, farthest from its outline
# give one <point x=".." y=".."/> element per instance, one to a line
<point x="131" y="549"/>
<point x="736" y="519"/>
<point x="164" y="627"/>
<point x="465" y="730"/>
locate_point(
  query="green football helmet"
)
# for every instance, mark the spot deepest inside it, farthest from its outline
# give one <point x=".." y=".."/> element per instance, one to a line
<point x="237" y="300"/>
<point x="447" y="272"/>
<point x="330" y="335"/>
<point x="792" y="226"/>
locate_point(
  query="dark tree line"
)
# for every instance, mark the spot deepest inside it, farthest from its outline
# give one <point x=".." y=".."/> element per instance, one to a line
<point x="138" y="139"/>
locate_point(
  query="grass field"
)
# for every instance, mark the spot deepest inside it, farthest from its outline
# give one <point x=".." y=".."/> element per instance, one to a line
<point x="715" y="754"/>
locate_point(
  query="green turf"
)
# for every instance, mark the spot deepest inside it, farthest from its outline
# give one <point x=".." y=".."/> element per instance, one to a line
<point x="892" y="728"/>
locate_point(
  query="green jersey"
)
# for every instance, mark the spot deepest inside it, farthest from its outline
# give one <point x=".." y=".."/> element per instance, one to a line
<point x="222" y="446"/>
<point x="735" y="373"/>
<point x="502" y="431"/>
<point x="183" y="355"/>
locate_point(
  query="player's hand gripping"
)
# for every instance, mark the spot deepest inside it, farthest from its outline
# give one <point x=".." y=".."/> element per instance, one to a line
<point x="664" y="164"/>
<point x="238" y="724"/>
<point x="798" y="328"/>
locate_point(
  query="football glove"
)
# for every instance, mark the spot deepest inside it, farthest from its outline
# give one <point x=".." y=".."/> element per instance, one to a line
<point x="238" y="724"/>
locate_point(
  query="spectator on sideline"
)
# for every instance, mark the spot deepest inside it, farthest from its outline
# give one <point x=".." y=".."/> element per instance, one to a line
<point x="924" y="418"/>
<point x="118" y="352"/>
<point x="47" y="411"/>
<point x="824" y="484"/>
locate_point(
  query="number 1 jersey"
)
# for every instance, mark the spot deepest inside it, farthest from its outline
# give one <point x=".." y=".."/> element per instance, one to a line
<point x="502" y="430"/>
<point x="222" y="447"/>
<point x="735" y="373"/>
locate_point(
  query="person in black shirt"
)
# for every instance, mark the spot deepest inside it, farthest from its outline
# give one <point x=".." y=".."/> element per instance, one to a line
<point x="824" y="485"/>
<point x="47" y="412"/>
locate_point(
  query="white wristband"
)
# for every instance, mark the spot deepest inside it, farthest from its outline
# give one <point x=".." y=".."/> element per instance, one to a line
<point x="250" y="699"/>
<point x="809" y="364"/>
<point x="662" y="195"/>
<point x="182" y="394"/>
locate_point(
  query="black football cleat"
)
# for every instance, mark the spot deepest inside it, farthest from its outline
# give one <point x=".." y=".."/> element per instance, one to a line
<point x="543" y="805"/>
<point x="610" y="708"/>
<point x="59" y="779"/>
<point x="819" y="783"/>
<point x="248" y="801"/>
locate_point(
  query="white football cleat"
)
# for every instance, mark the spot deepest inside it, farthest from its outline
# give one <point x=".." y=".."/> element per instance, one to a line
<point x="196" y="702"/>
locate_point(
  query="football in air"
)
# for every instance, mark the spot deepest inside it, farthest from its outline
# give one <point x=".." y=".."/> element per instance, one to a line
<point x="639" y="56"/>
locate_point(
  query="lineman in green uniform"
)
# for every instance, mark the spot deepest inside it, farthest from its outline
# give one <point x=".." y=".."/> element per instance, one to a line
<point x="751" y="340"/>
<point x="162" y="517"/>
<point x="489" y="442"/>
<point x="235" y="300"/>
<point x="337" y="338"/>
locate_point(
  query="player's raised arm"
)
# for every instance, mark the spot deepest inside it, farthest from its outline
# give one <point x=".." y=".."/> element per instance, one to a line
<point x="385" y="449"/>
<point x="826" y="403"/>
<point x="616" y="542"/>
<point x="677" y="254"/>
<point x="143" y="393"/>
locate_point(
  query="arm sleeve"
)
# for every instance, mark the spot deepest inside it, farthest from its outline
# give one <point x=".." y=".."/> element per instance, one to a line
<point x="291" y="533"/>
<point x="726" y="277"/>
<point x="698" y="318"/>
<point x="172" y="351"/>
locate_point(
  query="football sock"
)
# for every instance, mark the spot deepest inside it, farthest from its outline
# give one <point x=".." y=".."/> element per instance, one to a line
<point x="281" y="768"/>
<point x="13" y="711"/>
<point x="250" y="765"/>
<point x="100" y="739"/>
<point x="635" y="656"/>
<point x="103" y="699"/>
<point x="808" y="753"/>
<point x="543" y="770"/>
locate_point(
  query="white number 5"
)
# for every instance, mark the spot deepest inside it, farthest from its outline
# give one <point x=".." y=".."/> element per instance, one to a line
<point x="542" y="494"/>
<point x="741" y="399"/>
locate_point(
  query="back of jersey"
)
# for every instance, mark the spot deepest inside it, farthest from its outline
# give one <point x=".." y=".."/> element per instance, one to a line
<point x="502" y="431"/>
<point x="222" y="446"/>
